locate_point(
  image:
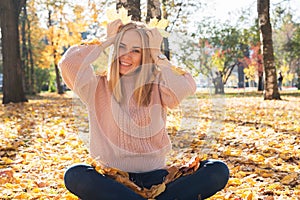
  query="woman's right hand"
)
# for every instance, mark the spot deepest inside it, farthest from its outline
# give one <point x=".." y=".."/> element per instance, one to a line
<point x="113" y="28"/>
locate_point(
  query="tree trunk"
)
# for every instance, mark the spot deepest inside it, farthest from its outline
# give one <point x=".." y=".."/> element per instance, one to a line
<point x="31" y="63"/>
<point x="218" y="83"/>
<point x="13" y="90"/>
<point x="271" y="87"/>
<point x="133" y="7"/>
<point x="166" y="49"/>
<point x="241" y="75"/>
<point x="260" y="81"/>
<point x="219" y="89"/>
<point x="57" y="74"/>
<point x="24" y="52"/>
<point x="153" y="9"/>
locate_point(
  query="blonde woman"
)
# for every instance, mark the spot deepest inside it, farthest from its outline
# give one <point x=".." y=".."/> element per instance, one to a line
<point x="127" y="113"/>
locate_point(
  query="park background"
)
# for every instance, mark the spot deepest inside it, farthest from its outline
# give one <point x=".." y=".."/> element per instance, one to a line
<point x="238" y="114"/>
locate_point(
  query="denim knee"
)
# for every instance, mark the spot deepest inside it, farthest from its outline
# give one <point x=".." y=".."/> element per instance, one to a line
<point x="220" y="172"/>
<point x="72" y="176"/>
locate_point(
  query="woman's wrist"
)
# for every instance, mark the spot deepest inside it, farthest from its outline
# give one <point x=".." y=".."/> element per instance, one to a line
<point x="161" y="60"/>
<point x="109" y="41"/>
<point x="163" y="63"/>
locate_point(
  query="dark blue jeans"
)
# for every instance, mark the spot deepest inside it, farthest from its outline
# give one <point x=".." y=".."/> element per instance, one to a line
<point x="86" y="183"/>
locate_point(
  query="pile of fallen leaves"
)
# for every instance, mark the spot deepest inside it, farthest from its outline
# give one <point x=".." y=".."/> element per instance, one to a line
<point x="155" y="190"/>
<point x="259" y="140"/>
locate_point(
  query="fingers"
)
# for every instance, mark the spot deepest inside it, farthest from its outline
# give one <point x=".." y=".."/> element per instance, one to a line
<point x="113" y="27"/>
<point x="155" y="38"/>
<point x="154" y="33"/>
<point x="117" y="23"/>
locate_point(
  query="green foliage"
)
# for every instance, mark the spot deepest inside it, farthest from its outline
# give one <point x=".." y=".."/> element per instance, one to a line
<point x="219" y="48"/>
<point x="286" y="45"/>
<point x="52" y="80"/>
<point x="42" y="78"/>
<point x="295" y="44"/>
<point x="229" y="41"/>
<point x="295" y="47"/>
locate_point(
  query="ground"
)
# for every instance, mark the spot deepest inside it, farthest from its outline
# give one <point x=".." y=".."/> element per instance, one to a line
<point x="259" y="141"/>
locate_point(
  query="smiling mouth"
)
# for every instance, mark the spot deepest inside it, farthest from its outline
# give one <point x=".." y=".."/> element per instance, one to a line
<point x="125" y="64"/>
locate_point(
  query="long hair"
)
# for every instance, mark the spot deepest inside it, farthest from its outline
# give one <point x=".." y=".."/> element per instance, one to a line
<point x="147" y="70"/>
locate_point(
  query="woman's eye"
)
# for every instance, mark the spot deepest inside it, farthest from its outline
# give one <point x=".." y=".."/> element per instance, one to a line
<point x="136" y="51"/>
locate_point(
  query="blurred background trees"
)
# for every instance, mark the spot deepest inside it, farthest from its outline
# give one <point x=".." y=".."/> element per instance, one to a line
<point x="219" y="54"/>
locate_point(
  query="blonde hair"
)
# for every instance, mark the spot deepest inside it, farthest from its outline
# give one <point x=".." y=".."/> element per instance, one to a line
<point x="147" y="70"/>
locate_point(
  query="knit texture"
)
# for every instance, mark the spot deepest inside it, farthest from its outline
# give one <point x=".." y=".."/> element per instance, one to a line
<point x="124" y="135"/>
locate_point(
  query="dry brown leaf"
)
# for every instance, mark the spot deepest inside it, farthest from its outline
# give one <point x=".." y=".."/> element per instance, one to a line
<point x="288" y="179"/>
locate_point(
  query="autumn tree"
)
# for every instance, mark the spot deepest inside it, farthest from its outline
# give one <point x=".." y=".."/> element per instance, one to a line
<point x="271" y="87"/>
<point x="34" y="46"/>
<point x="285" y="57"/>
<point x="61" y="33"/>
<point x="96" y="12"/>
<point x="295" y="45"/>
<point x="252" y="62"/>
<point x="54" y="37"/>
<point x="214" y="52"/>
<point x="13" y="90"/>
<point x="27" y="49"/>
<point x="34" y="62"/>
<point x="254" y="66"/>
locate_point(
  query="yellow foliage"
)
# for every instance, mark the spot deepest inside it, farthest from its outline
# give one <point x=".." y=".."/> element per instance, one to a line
<point x="288" y="179"/>
<point x="287" y="76"/>
<point x="160" y="25"/>
<point x="218" y="60"/>
<point x="250" y="72"/>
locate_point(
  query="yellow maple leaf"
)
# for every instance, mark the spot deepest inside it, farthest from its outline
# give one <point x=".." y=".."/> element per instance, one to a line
<point x="122" y="14"/>
<point x="153" y="22"/>
<point x="111" y="14"/>
<point x="160" y="25"/>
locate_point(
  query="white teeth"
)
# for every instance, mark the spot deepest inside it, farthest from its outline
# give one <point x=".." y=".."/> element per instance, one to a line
<point x="125" y="64"/>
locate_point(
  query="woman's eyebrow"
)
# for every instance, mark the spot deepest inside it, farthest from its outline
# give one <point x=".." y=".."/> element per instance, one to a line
<point x="134" y="47"/>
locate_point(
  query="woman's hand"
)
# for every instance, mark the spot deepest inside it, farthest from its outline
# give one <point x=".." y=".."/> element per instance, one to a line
<point x="113" y="28"/>
<point x="112" y="31"/>
<point x="155" y="40"/>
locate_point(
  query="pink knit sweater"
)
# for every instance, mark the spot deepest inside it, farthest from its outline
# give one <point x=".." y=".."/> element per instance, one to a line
<point x="124" y="135"/>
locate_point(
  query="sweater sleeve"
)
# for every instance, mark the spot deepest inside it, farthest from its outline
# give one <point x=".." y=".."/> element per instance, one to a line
<point x="175" y="84"/>
<point x="77" y="71"/>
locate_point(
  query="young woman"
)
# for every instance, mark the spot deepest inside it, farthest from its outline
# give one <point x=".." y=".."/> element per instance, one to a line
<point x="127" y="113"/>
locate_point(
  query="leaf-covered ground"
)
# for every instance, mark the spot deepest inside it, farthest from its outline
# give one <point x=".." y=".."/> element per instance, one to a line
<point x="259" y="140"/>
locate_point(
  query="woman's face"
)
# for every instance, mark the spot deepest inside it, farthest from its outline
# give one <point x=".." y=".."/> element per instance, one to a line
<point x="130" y="51"/>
